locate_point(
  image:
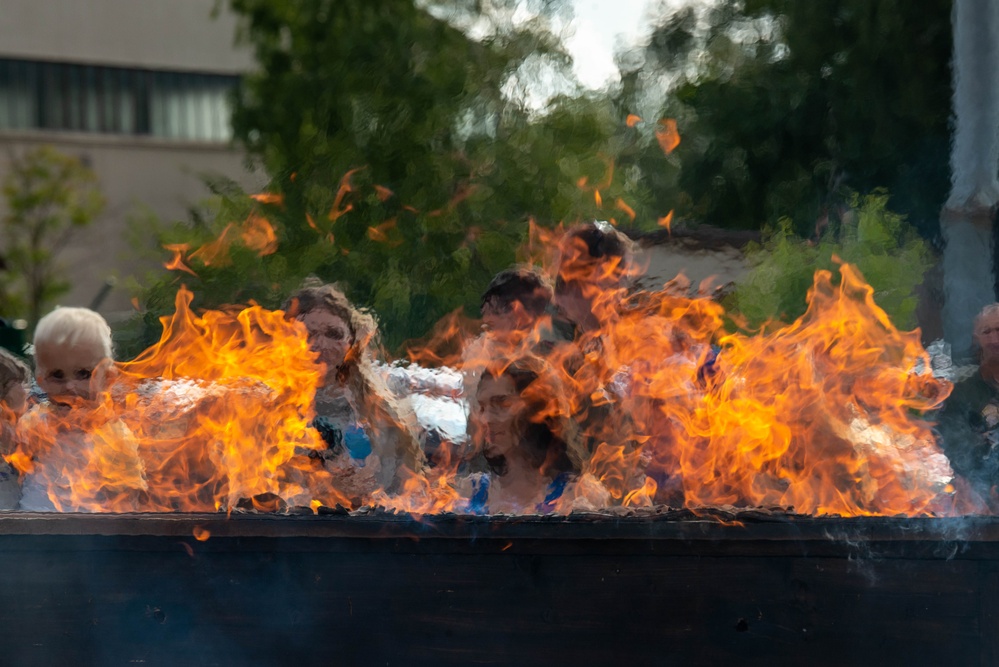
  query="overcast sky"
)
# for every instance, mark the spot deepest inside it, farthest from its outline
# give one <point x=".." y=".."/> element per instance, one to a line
<point x="599" y="27"/>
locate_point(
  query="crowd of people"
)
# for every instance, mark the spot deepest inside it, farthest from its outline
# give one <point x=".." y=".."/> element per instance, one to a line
<point x="520" y="449"/>
<point x="541" y="386"/>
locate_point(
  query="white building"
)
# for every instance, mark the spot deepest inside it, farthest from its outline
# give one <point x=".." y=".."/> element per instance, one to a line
<point x="136" y="88"/>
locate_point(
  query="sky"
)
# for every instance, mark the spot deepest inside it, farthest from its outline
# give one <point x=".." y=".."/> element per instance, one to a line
<point x="598" y="27"/>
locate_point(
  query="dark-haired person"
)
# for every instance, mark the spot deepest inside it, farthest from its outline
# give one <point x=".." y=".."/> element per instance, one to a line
<point x="355" y="410"/>
<point x="517" y="312"/>
<point x="595" y="265"/>
<point x="595" y="268"/>
<point x="523" y="433"/>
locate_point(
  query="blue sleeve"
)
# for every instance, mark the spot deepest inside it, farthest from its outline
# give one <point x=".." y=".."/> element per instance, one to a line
<point x="480" y="495"/>
<point x="555" y="490"/>
<point x="357" y="442"/>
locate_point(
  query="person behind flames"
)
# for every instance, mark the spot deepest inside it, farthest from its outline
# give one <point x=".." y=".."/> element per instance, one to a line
<point x="594" y="272"/>
<point x="969" y="421"/>
<point x="517" y="308"/>
<point x="73" y="451"/>
<point x="530" y="447"/>
<point x="15" y="377"/>
<point x="355" y="410"/>
<point x="595" y="262"/>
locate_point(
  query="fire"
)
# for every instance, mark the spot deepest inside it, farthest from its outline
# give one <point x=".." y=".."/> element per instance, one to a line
<point x="621" y="205"/>
<point x="176" y="262"/>
<point x="220" y="408"/>
<point x="666" y="222"/>
<point x="667" y="135"/>
<point x="258" y="235"/>
<point x="255" y="233"/>
<point x="655" y="401"/>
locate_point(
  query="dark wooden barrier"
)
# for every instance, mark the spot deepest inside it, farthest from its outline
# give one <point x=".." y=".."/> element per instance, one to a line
<point x="381" y="589"/>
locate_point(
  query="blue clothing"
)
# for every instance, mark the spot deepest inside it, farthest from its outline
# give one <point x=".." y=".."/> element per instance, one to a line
<point x="478" y="503"/>
<point x="350" y="437"/>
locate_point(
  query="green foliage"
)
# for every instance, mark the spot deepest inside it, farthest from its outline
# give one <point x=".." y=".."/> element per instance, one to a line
<point x="49" y="196"/>
<point x="887" y="250"/>
<point x="407" y="172"/>
<point x="787" y="107"/>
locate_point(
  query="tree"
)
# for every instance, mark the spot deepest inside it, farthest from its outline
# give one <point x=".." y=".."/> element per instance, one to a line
<point x="401" y="165"/>
<point x="49" y="197"/>
<point x="788" y="107"/>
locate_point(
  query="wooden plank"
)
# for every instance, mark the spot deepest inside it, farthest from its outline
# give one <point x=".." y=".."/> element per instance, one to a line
<point x="522" y="594"/>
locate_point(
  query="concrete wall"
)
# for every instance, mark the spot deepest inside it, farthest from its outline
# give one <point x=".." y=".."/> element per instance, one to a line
<point x="135" y="173"/>
<point x="153" y="34"/>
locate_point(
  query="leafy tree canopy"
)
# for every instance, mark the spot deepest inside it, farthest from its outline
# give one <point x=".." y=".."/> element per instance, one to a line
<point x="402" y="165"/>
<point x="788" y="106"/>
<point x="49" y="196"/>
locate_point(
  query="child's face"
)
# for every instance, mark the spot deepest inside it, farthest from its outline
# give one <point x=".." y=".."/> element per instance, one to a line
<point x="71" y="374"/>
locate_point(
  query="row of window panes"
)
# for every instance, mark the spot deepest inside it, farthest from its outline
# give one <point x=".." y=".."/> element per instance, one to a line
<point x="114" y="100"/>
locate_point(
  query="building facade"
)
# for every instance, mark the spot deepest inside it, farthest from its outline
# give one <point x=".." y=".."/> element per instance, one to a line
<point x="139" y="90"/>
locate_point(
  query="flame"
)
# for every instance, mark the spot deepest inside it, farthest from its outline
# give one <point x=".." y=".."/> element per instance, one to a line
<point x="666" y="222"/>
<point x="215" y="253"/>
<point x="201" y="534"/>
<point x="80" y="458"/>
<point x="339" y="208"/>
<point x="655" y="400"/>
<point x="268" y="198"/>
<point x="258" y="235"/>
<point x="818" y="414"/>
<point x="176" y="263"/>
<point x="220" y="409"/>
<point x="379" y="233"/>
<point x="667" y="135"/>
<point x="632" y="120"/>
<point x="622" y="206"/>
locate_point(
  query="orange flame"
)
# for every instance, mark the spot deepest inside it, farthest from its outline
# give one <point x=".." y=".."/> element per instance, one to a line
<point x="666" y="222"/>
<point x="339" y="208"/>
<point x="220" y="406"/>
<point x="654" y="401"/>
<point x="632" y="120"/>
<point x="622" y="206"/>
<point x="667" y="135"/>
<point x="268" y="197"/>
<point x="258" y="235"/>
<point x="379" y="233"/>
<point x="176" y="263"/>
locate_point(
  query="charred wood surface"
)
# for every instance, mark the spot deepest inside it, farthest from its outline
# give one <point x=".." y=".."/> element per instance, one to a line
<point x="665" y="588"/>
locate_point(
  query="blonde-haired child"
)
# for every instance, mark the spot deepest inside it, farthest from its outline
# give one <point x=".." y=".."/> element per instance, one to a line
<point x="75" y="453"/>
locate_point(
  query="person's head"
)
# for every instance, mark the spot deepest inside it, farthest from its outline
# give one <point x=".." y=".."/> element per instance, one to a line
<point x="986" y="333"/>
<point x="515" y="299"/>
<point x="338" y="331"/>
<point x="512" y="415"/>
<point x="594" y="258"/>
<point x="14" y="378"/>
<point x="73" y="355"/>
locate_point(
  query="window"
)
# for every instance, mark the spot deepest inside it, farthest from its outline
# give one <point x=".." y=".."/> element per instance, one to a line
<point x="114" y="100"/>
